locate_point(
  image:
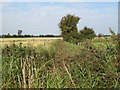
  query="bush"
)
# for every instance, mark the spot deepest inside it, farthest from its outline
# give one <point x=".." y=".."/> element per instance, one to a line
<point x="87" y="33"/>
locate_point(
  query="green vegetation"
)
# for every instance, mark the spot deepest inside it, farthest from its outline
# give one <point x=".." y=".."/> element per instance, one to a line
<point x="68" y="26"/>
<point x="86" y="33"/>
<point x="69" y="30"/>
<point x="26" y="35"/>
<point x="92" y="64"/>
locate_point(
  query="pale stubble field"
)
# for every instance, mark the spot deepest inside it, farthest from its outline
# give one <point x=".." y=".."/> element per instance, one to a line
<point x="34" y="41"/>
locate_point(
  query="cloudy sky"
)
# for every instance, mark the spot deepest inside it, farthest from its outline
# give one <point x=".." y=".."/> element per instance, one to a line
<point x="43" y="17"/>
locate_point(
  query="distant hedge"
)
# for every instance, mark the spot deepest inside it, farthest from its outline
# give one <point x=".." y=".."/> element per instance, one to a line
<point x="24" y="36"/>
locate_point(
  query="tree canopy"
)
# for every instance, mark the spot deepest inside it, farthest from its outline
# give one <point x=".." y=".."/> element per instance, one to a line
<point x="69" y="30"/>
<point x="68" y="26"/>
<point x="87" y="33"/>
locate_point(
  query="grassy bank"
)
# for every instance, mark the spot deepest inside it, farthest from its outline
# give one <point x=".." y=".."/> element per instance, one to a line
<point x="92" y="64"/>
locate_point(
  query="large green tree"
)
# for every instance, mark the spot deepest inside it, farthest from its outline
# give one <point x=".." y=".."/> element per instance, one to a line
<point x="68" y="26"/>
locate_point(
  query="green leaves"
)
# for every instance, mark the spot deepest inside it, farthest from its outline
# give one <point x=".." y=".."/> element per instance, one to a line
<point x="68" y="26"/>
<point x="87" y="33"/>
<point x="69" y="31"/>
<point x="93" y="64"/>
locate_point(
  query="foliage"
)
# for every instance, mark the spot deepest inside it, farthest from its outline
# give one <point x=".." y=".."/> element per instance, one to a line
<point x="26" y="35"/>
<point x="100" y="35"/>
<point x="87" y="33"/>
<point x="68" y="26"/>
<point x="69" y="31"/>
<point x="23" y="65"/>
<point x="93" y="64"/>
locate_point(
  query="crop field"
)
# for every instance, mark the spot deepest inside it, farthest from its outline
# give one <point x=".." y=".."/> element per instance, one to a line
<point x="26" y="41"/>
<point x="92" y="64"/>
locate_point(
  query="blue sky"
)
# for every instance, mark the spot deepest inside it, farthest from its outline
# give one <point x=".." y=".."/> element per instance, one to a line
<point x="43" y="17"/>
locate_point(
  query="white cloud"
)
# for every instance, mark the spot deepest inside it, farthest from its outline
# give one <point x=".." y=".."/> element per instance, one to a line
<point x="44" y="20"/>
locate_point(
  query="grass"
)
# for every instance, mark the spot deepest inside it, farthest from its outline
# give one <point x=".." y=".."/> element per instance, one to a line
<point x="92" y="64"/>
<point x="0" y="67"/>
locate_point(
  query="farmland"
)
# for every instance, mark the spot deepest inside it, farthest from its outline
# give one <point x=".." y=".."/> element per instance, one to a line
<point x="26" y="41"/>
<point x="92" y="64"/>
<point x="64" y="44"/>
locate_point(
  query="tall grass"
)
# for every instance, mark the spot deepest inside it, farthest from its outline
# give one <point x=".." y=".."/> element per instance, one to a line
<point x="0" y="67"/>
<point x="63" y="65"/>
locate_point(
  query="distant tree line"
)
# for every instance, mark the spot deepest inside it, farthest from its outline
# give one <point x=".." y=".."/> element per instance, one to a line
<point x="20" y="35"/>
<point x="26" y="35"/>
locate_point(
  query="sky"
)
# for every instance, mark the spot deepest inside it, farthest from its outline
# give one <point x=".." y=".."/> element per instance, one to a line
<point x="43" y="17"/>
<point x="59" y="0"/>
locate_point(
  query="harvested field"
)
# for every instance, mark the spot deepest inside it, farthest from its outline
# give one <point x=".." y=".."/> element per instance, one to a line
<point x="26" y="41"/>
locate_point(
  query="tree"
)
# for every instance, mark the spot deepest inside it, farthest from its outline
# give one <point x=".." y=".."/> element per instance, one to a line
<point x="68" y="26"/>
<point x="19" y="32"/>
<point x="87" y="33"/>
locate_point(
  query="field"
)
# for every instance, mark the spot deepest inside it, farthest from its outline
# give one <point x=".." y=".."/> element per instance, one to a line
<point x="92" y="64"/>
<point x="26" y="41"/>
